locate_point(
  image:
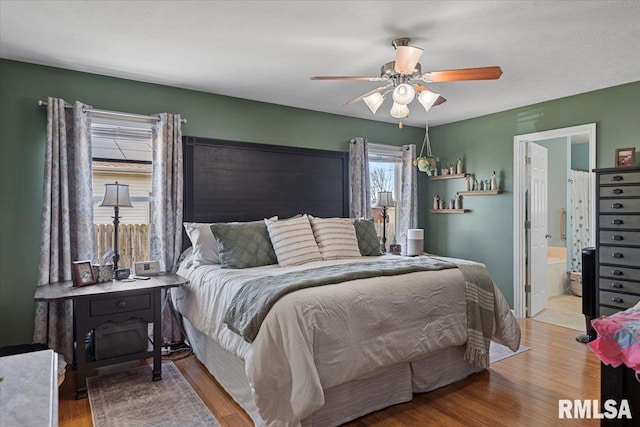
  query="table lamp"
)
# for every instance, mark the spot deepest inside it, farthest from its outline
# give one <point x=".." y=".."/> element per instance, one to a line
<point x="116" y="195"/>
<point x="385" y="200"/>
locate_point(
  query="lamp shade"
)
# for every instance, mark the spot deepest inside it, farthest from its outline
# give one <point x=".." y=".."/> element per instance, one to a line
<point x="428" y="98"/>
<point x="404" y="94"/>
<point x="399" y="111"/>
<point x="407" y="58"/>
<point x="385" y="199"/>
<point x="374" y="101"/>
<point x="116" y="195"/>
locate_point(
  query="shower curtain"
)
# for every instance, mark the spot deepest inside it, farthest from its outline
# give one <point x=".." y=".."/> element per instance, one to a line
<point x="579" y="217"/>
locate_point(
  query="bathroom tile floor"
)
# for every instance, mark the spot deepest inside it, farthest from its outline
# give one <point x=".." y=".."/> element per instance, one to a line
<point x="563" y="310"/>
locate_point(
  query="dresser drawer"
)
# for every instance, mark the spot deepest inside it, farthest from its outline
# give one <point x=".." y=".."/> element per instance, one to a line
<point x="626" y="238"/>
<point x="619" y="205"/>
<point x="620" y="256"/>
<point x="622" y="301"/>
<point x="615" y="285"/>
<point x="608" y="311"/>
<point x="619" y="272"/>
<point x="120" y="304"/>
<point x="620" y="178"/>
<point x="620" y="191"/>
<point x="622" y="222"/>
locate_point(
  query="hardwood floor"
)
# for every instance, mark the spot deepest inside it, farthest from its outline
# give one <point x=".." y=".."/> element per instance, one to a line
<point x="518" y="391"/>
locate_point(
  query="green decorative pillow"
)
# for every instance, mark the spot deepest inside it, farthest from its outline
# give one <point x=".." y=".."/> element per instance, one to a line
<point x="368" y="241"/>
<point x="243" y="244"/>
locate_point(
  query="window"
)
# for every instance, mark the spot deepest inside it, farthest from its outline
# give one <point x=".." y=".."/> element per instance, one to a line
<point x="385" y="174"/>
<point x="121" y="151"/>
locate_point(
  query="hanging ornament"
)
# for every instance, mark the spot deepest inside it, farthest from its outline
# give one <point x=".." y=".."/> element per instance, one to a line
<point x="426" y="162"/>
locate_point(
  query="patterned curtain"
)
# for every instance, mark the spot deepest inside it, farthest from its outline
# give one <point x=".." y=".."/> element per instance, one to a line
<point x="408" y="212"/>
<point x="67" y="217"/>
<point x="360" y="206"/>
<point x="580" y="233"/>
<point x="166" y="205"/>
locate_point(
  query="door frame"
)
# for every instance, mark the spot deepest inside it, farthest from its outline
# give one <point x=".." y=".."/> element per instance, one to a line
<point x="519" y="202"/>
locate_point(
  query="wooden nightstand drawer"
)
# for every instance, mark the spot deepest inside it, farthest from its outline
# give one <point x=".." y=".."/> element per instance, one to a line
<point x="615" y="299"/>
<point x="119" y="304"/>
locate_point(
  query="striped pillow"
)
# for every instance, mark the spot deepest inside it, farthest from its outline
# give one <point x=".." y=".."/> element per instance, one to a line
<point x="293" y="241"/>
<point x="336" y="237"/>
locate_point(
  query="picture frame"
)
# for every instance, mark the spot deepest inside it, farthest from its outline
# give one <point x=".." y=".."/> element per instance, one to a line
<point x="625" y="157"/>
<point x="83" y="274"/>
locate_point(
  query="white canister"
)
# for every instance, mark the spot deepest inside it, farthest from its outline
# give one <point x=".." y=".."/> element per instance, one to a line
<point x="415" y="241"/>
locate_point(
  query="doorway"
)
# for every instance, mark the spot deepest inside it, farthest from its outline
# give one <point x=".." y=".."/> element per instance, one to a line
<point x="565" y="139"/>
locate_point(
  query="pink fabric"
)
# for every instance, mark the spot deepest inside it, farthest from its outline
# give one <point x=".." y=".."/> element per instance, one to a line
<point x="618" y="339"/>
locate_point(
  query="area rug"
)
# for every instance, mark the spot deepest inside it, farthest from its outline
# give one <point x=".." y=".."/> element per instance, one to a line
<point x="499" y="351"/>
<point x="130" y="398"/>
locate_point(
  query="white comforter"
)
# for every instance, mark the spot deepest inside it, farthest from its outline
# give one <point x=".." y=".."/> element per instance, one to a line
<point x="324" y="336"/>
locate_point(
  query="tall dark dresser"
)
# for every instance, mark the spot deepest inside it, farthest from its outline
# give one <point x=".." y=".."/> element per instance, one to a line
<point x="618" y="271"/>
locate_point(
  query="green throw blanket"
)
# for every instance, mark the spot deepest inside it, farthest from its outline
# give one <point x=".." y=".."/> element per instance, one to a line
<point x="479" y="295"/>
<point x="255" y="298"/>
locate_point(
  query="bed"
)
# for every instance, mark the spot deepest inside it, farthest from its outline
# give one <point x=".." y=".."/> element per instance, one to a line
<point x="326" y="353"/>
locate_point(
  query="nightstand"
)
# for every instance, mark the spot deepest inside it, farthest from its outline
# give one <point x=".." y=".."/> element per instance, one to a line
<point x="113" y="301"/>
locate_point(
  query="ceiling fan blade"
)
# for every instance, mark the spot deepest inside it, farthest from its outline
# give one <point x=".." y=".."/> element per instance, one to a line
<point x="407" y="58"/>
<point x="480" y="73"/>
<point x="352" y="78"/>
<point x="371" y="92"/>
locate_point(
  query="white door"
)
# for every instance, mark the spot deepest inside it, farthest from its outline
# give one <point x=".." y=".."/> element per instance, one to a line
<point x="537" y="255"/>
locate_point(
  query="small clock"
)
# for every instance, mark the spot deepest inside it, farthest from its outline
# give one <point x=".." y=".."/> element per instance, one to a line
<point x="147" y="268"/>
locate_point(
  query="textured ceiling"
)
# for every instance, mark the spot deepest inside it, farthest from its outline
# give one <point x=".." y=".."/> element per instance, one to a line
<point x="267" y="50"/>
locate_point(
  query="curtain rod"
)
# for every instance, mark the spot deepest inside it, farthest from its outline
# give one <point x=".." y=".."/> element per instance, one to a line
<point x="42" y="103"/>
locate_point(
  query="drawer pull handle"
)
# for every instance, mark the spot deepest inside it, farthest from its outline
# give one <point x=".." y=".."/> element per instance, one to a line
<point x="617" y="237"/>
<point x="616" y="191"/>
<point x="122" y="304"/>
<point x="616" y="206"/>
<point x="617" y="255"/>
<point x="617" y="299"/>
<point x="617" y="178"/>
<point x="616" y="285"/>
<point x="616" y="221"/>
<point x="617" y="272"/>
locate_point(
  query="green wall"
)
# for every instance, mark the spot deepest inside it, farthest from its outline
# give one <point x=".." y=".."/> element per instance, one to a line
<point x="22" y="136"/>
<point x="486" y="143"/>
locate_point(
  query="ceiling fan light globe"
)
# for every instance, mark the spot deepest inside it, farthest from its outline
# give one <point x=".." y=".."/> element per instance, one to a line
<point x="399" y="111"/>
<point x="404" y="94"/>
<point x="427" y="99"/>
<point x="374" y="101"/>
<point x="407" y="58"/>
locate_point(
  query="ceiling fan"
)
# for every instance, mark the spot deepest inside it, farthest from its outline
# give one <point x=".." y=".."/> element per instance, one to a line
<point x="404" y="78"/>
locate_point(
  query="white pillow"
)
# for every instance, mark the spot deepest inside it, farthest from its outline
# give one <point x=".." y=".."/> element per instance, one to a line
<point x="293" y="241"/>
<point x="336" y="237"/>
<point x="205" y="247"/>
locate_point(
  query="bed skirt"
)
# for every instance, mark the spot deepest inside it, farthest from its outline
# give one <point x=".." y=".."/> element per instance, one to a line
<point x="345" y="402"/>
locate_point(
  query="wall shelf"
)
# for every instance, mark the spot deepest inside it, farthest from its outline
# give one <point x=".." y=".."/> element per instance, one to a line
<point x="448" y="211"/>
<point x="458" y="175"/>
<point x="479" y="193"/>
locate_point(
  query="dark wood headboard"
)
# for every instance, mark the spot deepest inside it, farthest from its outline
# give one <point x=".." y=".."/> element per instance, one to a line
<point x="236" y="181"/>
